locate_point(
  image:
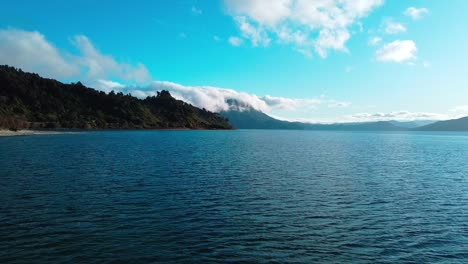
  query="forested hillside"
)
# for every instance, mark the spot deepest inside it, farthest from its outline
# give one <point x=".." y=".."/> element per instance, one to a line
<point x="28" y="101"/>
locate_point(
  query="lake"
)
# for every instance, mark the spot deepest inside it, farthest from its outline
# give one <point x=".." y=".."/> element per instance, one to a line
<point x="245" y="196"/>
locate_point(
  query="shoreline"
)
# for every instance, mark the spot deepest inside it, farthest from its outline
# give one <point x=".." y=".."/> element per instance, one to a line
<point x="10" y="133"/>
<point x="31" y="132"/>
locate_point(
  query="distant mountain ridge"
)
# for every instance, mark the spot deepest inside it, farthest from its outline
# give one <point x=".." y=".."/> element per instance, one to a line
<point x="28" y="101"/>
<point x="253" y="119"/>
<point x="412" y="124"/>
<point x="460" y="124"/>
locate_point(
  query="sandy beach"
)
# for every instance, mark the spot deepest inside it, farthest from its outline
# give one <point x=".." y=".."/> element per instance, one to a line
<point x="9" y="133"/>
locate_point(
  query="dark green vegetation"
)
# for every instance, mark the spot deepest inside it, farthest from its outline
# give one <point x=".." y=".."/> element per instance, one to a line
<point x="28" y="101"/>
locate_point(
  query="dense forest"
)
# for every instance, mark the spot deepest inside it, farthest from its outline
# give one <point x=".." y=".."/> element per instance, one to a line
<point x="28" y="101"/>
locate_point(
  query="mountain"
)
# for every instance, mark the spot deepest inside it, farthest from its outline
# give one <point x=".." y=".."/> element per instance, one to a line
<point x="30" y="101"/>
<point x="412" y="124"/>
<point x="253" y="119"/>
<point x="368" y="126"/>
<point x="460" y="124"/>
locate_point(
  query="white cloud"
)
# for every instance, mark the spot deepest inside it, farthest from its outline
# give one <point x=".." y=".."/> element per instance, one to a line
<point x="338" y="104"/>
<point x="268" y="12"/>
<point x="141" y="94"/>
<point x="100" y="66"/>
<point x="220" y="99"/>
<point x="331" y="39"/>
<point x="211" y="98"/>
<point x="375" y="41"/>
<point x="398" y="115"/>
<point x="291" y="104"/>
<point x="307" y="25"/>
<point x="361" y="26"/>
<point x="306" y="52"/>
<point x="403" y="116"/>
<point x="397" y="51"/>
<point x="286" y="35"/>
<point x="392" y="27"/>
<point x="416" y="13"/>
<point x="235" y="41"/>
<point x="257" y="35"/>
<point x="31" y="51"/>
<point x="196" y="11"/>
<point x="461" y="109"/>
<point x="107" y="85"/>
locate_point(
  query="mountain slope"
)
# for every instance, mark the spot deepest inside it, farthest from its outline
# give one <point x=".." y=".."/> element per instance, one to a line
<point x="370" y="126"/>
<point x="253" y="119"/>
<point x="460" y="124"/>
<point x="412" y="124"/>
<point x="30" y="101"/>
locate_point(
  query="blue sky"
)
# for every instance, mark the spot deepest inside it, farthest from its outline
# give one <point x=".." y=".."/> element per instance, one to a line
<point x="312" y="60"/>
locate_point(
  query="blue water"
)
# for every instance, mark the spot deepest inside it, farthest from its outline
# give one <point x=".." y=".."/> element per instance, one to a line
<point x="234" y="197"/>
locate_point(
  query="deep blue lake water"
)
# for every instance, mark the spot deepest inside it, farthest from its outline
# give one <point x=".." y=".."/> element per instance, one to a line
<point x="234" y="197"/>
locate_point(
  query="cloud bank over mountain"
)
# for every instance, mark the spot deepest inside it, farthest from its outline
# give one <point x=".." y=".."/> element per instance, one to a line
<point x="31" y="51"/>
<point x="221" y="99"/>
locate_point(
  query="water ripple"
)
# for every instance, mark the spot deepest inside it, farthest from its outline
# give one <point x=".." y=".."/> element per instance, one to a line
<point x="234" y="197"/>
